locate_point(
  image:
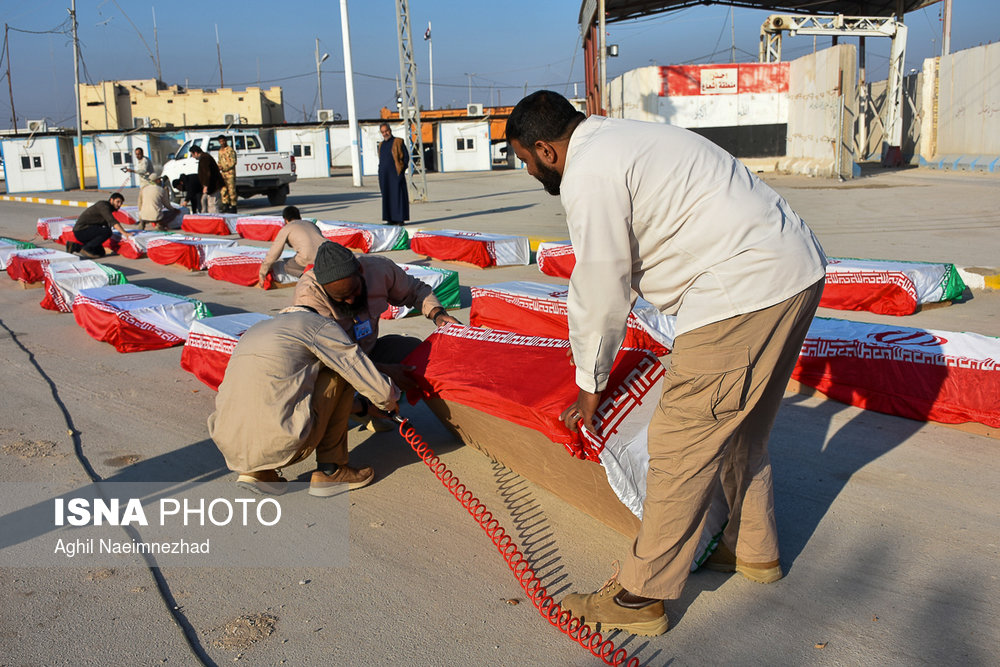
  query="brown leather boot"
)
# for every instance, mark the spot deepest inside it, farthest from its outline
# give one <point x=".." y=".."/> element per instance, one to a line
<point x="724" y="560"/>
<point x="603" y="609"/>
<point x="324" y="485"/>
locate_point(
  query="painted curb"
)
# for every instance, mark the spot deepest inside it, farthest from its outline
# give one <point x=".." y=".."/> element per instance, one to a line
<point x="42" y="200"/>
<point x="978" y="278"/>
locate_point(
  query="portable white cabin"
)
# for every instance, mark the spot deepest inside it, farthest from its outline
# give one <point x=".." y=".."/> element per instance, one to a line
<point x="370" y="139"/>
<point x="463" y="146"/>
<point x="115" y="151"/>
<point x="39" y="164"/>
<point x="340" y="146"/>
<point x="310" y="146"/>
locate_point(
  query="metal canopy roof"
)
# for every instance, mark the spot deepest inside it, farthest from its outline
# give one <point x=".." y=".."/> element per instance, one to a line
<point x="621" y="10"/>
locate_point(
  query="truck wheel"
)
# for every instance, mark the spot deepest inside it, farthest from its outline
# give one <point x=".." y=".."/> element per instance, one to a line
<point x="277" y="197"/>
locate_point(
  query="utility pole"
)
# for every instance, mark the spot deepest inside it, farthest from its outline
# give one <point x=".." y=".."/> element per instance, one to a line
<point x="352" y="116"/>
<point x="430" y="58"/>
<point x="10" y="86"/>
<point x="732" y="35"/>
<point x="76" y="90"/>
<point x="470" y="75"/>
<point x="218" y="51"/>
<point x="156" y="45"/>
<point x="602" y="58"/>
<point x="319" y="76"/>
<point x="945" y="37"/>
<point x="410" y="113"/>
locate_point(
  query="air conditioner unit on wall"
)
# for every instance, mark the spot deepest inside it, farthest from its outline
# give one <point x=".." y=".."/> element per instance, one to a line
<point x="140" y="121"/>
<point x="326" y="115"/>
<point x="231" y="119"/>
<point x="474" y="109"/>
<point x="37" y="126"/>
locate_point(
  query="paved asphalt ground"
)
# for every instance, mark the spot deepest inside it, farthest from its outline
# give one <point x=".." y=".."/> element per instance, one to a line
<point x="889" y="527"/>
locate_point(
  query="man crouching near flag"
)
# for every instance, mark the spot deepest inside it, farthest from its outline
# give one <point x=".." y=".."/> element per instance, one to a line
<point x="288" y="392"/>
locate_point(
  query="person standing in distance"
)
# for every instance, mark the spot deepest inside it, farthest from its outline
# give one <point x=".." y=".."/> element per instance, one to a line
<point x="143" y="167"/>
<point x="227" y="166"/>
<point x="660" y="212"/>
<point x="392" y="164"/>
<point x="210" y="178"/>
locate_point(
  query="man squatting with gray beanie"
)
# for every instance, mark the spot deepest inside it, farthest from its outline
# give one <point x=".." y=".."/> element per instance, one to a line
<point x="312" y="354"/>
<point x="355" y="291"/>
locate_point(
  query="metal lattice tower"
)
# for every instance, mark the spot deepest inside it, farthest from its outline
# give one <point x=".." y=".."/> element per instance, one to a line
<point x="409" y="112"/>
<point x="848" y="26"/>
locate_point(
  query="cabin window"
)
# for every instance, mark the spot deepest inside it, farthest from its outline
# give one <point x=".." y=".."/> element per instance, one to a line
<point x="31" y="162"/>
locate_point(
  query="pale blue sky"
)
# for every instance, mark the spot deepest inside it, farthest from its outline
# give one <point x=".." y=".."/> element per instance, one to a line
<point x="506" y="47"/>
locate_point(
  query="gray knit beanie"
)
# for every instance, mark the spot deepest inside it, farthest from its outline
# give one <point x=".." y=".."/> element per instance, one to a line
<point x="334" y="262"/>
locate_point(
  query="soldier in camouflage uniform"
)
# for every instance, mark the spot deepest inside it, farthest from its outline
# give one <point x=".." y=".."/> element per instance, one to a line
<point x="227" y="165"/>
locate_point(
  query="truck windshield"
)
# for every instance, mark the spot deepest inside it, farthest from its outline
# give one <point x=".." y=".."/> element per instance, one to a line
<point x="185" y="150"/>
<point x="237" y="141"/>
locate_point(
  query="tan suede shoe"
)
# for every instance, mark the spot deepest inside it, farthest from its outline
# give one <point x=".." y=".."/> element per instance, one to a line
<point x="266" y="482"/>
<point x="600" y="609"/>
<point x="724" y="560"/>
<point x="323" y="485"/>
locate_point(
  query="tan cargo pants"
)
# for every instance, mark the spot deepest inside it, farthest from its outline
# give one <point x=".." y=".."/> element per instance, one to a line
<point x="229" y="188"/>
<point x="331" y="404"/>
<point x="721" y="393"/>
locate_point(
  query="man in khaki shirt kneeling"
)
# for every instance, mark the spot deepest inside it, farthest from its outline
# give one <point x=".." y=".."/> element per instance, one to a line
<point x="287" y="392"/>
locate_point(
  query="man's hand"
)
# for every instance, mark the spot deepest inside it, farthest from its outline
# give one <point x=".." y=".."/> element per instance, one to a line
<point x="581" y="411"/>
<point x="444" y="319"/>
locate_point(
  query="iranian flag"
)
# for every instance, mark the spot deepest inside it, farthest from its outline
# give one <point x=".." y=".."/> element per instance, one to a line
<point x="888" y="287"/>
<point x="528" y="380"/>
<point x="365" y="238"/>
<point x="259" y="227"/>
<point x="8" y="247"/>
<point x="476" y="248"/>
<point x="944" y="376"/>
<point x="52" y="228"/>
<point x="556" y="258"/>
<point x="27" y="265"/>
<point x="64" y="280"/>
<point x="133" y="318"/>
<point x="129" y="215"/>
<point x="134" y="245"/>
<point x="219" y="224"/>
<point x="187" y="251"/>
<point x="444" y="282"/>
<point x="210" y="344"/>
<point x="240" y="265"/>
<point x="540" y="309"/>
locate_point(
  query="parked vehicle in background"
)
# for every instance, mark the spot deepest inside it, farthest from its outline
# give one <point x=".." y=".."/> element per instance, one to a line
<point x="258" y="171"/>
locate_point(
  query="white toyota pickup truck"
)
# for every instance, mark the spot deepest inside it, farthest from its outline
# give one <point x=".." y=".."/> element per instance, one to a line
<point x="258" y="171"/>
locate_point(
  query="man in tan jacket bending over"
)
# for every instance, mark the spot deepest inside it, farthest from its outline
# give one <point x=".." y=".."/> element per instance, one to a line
<point x="355" y="291"/>
<point x="287" y="392"/>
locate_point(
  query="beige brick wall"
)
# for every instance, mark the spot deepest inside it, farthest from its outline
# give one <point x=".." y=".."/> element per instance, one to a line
<point x="113" y="105"/>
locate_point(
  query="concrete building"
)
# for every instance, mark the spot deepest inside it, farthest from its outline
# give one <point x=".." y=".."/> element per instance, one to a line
<point x="124" y="105"/>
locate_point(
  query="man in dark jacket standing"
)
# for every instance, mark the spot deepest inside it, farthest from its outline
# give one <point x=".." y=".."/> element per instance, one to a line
<point x="94" y="226"/>
<point x="211" y="180"/>
<point x="392" y="164"/>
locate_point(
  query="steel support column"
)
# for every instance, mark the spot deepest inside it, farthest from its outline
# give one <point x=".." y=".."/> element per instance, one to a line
<point x="410" y="110"/>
